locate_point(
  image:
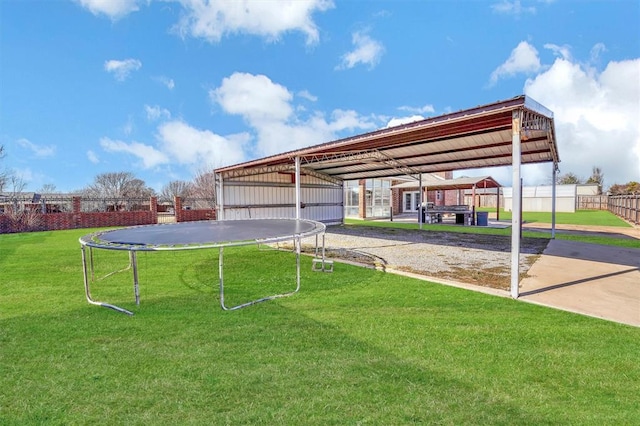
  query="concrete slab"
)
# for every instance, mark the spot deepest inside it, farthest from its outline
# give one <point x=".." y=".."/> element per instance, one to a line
<point x="590" y="279"/>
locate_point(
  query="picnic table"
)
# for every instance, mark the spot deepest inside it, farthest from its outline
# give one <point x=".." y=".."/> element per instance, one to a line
<point x="434" y="214"/>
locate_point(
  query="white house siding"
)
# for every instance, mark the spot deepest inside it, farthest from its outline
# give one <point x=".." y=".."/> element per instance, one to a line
<point x="539" y="198"/>
<point x="273" y="196"/>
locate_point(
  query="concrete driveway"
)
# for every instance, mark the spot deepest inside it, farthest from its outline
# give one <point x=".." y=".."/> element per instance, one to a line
<point x="590" y="279"/>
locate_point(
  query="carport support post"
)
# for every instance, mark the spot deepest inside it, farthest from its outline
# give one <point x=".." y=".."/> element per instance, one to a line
<point x="297" y="187"/>
<point x="420" y="200"/>
<point x="220" y="196"/>
<point x="553" y="200"/>
<point x="516" y="213"/>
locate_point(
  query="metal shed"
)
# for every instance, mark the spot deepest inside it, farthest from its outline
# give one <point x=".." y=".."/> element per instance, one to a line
<point x="307" y="183"/>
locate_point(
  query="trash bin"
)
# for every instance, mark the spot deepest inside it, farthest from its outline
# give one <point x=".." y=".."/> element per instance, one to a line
<point x="482" y="218"/>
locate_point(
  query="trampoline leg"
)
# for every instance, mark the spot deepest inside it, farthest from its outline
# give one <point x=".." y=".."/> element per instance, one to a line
<point x="296" y="243"/>
<point x="321" y="264"/>
<point x="134" y="266"/>
<point x="87" y="280"/>
<point x="221" y="278"/>
<point x="85" y="273"/>
<point x="93" y="277"/>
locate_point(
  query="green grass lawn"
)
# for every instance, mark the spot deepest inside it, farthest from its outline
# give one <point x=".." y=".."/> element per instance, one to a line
<point x="582" y="217"/>
<point x="356" y="346"/>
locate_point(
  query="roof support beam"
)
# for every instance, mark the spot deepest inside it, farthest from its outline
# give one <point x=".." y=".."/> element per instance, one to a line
<point x="280" y="168"/>
<point x="397" y="165"/>
<point x="241" y="172"/>
<point x="363" y="156"/>
<point x="310" y="172"/>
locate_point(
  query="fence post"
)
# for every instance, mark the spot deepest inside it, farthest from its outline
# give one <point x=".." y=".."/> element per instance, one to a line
<point x="177" y="206"/>
<point x="76" y="203"/>
<point x="153" y="205"/>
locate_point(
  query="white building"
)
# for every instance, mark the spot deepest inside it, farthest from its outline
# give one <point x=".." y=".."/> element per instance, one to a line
<point x="538" y="198"/>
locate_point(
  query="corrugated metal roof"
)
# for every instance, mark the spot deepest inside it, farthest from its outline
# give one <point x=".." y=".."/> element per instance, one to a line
<point x="480" y="137"/>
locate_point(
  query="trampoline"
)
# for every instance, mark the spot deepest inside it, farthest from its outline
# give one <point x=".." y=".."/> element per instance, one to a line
<point x="200" y="235"/>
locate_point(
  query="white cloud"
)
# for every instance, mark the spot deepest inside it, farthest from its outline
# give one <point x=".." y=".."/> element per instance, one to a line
<point x="166" y="81"/>
<point x="596" y="51"/>
<point x="92" y="157"/>
<point x="596" y="116"/>
<point x="404" y="120"/>
<point x="417" y="115"/>
<point x="129" y="126"/>
<point x="114" y="9"/>
<point x="513" y="7"/>
<point x="266" y="107"/>
<point x="427" y="109"/>
<point x="122" y="69"/>
<point x="348" y="120"/>
<point x="41" y="151"/>
<point x="308" y="96"/>
<point x="523" y="59"/>
<point x="155" y="113"/>
<point x="366" y="51"/>
<point x="213" y="19"/>
<point x="148" y="155"/>
<point x="190" y="146"/>
<point x="255" y="97"/>
<point x="561" y="51"/>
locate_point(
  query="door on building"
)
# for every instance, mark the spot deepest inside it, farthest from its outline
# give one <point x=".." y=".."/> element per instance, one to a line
<point x="411" y="201"/>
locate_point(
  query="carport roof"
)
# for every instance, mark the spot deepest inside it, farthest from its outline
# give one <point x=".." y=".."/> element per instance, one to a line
<point x="479" y="137"/>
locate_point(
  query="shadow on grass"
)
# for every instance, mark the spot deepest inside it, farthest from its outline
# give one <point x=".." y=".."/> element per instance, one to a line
<point x="498" y="243"/>
<point x="277" y="363"/>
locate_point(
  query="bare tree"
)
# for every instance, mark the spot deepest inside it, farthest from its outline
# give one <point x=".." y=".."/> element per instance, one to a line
<point x="118" y="185"/>
<point x="47" y="188"/>
<point x="597" y="177"/>
<point x="4" y="174"/>
<point x="568" y="178"/>
<point x="204" y="187"/>
<point x="176" y="188"/>
<point x="16" y="186"/>
<point x="24" y="216"/>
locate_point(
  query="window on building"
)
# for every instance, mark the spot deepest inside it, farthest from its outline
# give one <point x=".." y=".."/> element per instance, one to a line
<point x="377" y="198"/>
<point x="351" y="198"/>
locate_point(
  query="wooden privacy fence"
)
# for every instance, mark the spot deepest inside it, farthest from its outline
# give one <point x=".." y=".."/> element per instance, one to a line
<point x="626" y="206"/>
<point x="592" y="202"/>
<point x="484" y="200"/>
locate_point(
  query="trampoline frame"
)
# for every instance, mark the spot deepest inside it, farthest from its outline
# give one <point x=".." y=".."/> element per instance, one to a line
<point x="93" y="241"/>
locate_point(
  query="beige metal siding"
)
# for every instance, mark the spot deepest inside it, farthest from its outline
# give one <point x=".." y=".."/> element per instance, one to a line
<point x="273" y="196"/>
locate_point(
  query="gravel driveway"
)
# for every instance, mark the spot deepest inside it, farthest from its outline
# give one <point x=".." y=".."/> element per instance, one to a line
<point x="469" y="258"/>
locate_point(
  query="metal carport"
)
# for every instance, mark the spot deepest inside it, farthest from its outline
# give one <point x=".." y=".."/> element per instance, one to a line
<point x="505" y="133"/>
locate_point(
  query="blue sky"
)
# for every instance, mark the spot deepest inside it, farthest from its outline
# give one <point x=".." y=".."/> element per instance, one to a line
<point x="166" y="88"/>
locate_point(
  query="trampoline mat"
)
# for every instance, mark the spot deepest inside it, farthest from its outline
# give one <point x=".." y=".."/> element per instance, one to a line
<point x="209" y="232"/>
